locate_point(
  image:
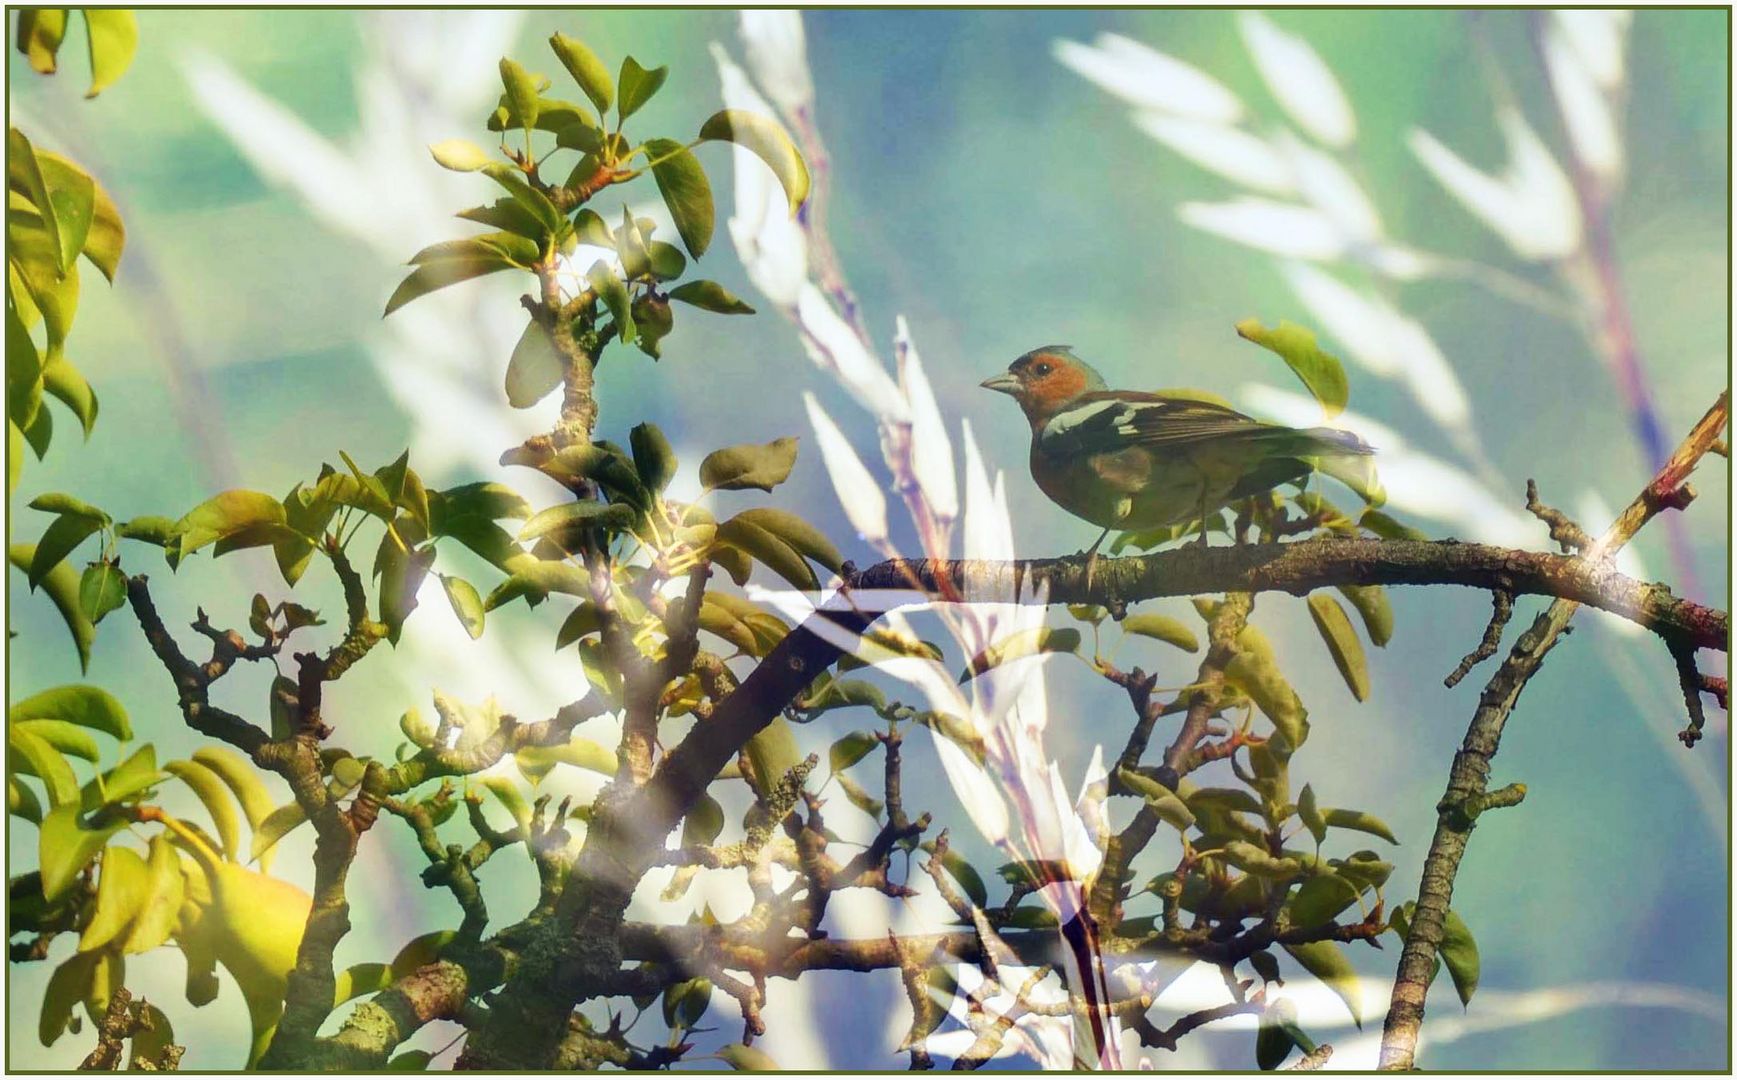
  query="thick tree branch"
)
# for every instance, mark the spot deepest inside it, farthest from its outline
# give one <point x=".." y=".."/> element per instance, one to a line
<point x="1468" y="781"/>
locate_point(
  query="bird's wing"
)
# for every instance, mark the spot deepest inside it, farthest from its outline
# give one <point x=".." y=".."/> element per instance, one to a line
<point x="1112" y="421"/>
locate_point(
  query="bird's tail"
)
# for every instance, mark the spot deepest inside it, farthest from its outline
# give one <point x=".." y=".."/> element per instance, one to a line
<point x="1336" y="441"/>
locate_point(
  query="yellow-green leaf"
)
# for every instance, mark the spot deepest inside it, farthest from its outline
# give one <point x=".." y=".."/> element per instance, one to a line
<point x="1320" y="371"/>
<point x="1162" y="628"/>
<point x="114" y="37"/>
<point x="768" y="141"/>
<point x="1372" y="604"/>
<point x="218" y="800"/>
<point x="466" y="604"/>
<point x="587" y="70"/>
<point x="459" y="155"/>
<point x="636" y="85"/>
<point x="165" y="888"/>
<point x="535" y="369"/>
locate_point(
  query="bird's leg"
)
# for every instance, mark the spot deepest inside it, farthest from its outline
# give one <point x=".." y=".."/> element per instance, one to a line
<point x="1203" y="540"/>
<point x="1091" y="554"/>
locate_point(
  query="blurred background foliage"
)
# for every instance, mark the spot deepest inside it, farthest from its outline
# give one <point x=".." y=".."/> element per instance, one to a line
<point x="999" y="202"/>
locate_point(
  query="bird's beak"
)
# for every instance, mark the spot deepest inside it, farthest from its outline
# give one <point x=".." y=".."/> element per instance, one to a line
<point x="1005" y="383"/>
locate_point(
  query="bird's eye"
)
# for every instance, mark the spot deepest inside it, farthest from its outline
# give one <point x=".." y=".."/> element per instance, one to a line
<point x="1042" y="369"/>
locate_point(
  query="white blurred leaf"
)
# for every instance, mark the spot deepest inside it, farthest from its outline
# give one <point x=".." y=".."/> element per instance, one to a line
<point x="858" y="491"/>
<point x="832" y="343"/>
<point x="1596" y="36"/>
<point x="778" y="56"/>
<point x="1300" y="80"/>
<point x="1143" y="76"/>
<point x="1531" y="205"/>
<point x="1382" y="339"/>
<point x="1228" y="151"/>
<point x="768" y="240"/>
<point x="931" y="449"/>
<point x="1332" y="189"/>
<point x="1586" y="110"/>
<point x="1280" y="228"/>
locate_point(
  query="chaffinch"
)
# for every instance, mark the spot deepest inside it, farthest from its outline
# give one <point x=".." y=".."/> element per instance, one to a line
<point x="1125" y="460"/>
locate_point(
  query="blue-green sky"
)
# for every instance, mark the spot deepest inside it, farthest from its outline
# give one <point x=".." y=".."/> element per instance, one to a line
<point x="998" y="201"/>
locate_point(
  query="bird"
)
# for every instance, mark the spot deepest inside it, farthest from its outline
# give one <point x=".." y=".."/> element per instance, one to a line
<point x="1128" y="460"/>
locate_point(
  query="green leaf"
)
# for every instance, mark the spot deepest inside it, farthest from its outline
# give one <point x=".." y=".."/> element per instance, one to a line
<point x="410" y="1061"/>
<point x="1028" y="642"/>
<point x="276" y="825"/>
<point x="736" y="468"/>
<point x="399" y="582"/>
<point x="61" y="585"/>
<point x="768" y="141"/>
<point x="219" y="801"/>
<point x="36" y="756"/>
<point x="613" y="292"/>
<point x="1222" y="799"/>
<point x="654" y="458"/>
<point x="508" y="795"/>
<point x="358" y="980"/>
<point x="1273" y="1042"/>
<point x="67" y="384"/>
<point x="1387" y="528"/>
<point x="21" y="801"/>
<point x="122" y="889"/>
<point x="420" y="951"/>
<point x="710" y="296"/>
<point x="466" y="604"/>
<point x="1459" y="952"/>
<point x="14" y="457"/>
<point x="443" y="272"/>
<point x="69" y="739"/>
<point x="587" y="70"/>
<point x="850" y="749"/>
<point x="535" y="369"/>
<point x="1311" y="815"/>
<point x="845" y="693"/>
<point x="770" y="549"/>
<point x="1319" y="370"/>
<point x="794" y="531"/>
<point x="160" y="906"/>
<point x="1162" y="628"/>
<point x="773" y="753"/>
<point x="704" y="823"/>
<point x="459" y="155"/>
<point x="685" y="190"/>
<point x="101" y="589"/>
<point x="1372" y="604"/>
<point x="72" y="196"/>
<point x="136" y="774"/>
<point x="667" y="260"/>
<point x="69" y="985"/>
<point x="1320" y="899"/>
<point x="585" y="514"/>
<point x="66" y="847"/>
<point x="107" y="236"/>
<point x="56" y="502"/>
<point x="579" y="753"/>
<point x="521" y="92"/>
<point x="40" y="32"/>
<point x="745" y="1058"/>
<point x="1361" y="822"/>
<point x="114" y="37"/>
<point x="636" y="85"/>
<point x="1326" y="961"/>
<point x="1165" y="803"/>
<point x="964" y="873"/>
<point x="242" y="780"/>
<point x="58" y="541"/>
<point x="86" y="706"/>
<point x="226" y="516"/>
<point x="1255" y="672"/>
